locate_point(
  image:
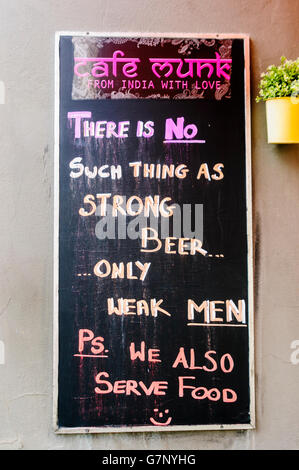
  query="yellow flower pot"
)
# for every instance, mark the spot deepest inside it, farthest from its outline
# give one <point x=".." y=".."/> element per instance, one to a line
<point x="283" y="120"/>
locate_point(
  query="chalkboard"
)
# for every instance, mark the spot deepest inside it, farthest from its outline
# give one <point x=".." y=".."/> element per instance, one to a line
<point x="153" y="294"/>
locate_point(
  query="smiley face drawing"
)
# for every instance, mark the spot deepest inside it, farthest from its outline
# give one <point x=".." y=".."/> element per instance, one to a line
<point x="159" y="423"/>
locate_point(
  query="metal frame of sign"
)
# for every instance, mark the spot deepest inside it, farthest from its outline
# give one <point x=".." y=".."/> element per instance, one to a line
<point x="199" y="427"/>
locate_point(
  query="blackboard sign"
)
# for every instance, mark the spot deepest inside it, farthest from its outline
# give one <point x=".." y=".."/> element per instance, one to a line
<point x="153" y="244"/>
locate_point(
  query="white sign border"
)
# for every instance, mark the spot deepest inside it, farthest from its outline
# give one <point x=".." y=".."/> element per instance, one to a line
<point x="250" y="257"/>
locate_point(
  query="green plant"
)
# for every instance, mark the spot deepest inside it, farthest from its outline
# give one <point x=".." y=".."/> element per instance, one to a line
<point x="279" y="80"/>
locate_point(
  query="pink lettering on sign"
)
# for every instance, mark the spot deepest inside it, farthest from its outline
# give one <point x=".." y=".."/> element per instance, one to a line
<point x="227" y="395"/>
<point x="78" y="115"/>
<point x="177" y="132"/>
<point x="161" y="414"/>
<point x="161" y="67"/>
<point x="165" y="67"/>
<point x="95" y="345"/>
<point x="129" y="387"/>
<point x="98" y="129"/>
<point x="103" y="66"/>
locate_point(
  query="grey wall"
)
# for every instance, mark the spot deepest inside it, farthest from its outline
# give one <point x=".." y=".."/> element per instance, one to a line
<point x="26" y="184"/>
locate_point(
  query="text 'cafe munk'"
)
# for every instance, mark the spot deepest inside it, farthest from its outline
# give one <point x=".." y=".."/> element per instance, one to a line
<point x="161" y="68"/>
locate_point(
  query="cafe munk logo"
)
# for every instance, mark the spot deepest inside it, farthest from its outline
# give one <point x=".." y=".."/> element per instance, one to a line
<point x="123" y="71"/>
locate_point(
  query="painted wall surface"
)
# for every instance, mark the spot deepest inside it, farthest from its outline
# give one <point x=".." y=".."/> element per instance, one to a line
<point x="27" y="30"/>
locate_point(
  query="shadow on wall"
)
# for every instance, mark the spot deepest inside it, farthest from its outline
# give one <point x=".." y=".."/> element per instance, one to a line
<point x="289" y="152"/>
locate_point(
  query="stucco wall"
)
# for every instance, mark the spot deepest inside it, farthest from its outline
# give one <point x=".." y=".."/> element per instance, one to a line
<point x="27" y="30"/>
